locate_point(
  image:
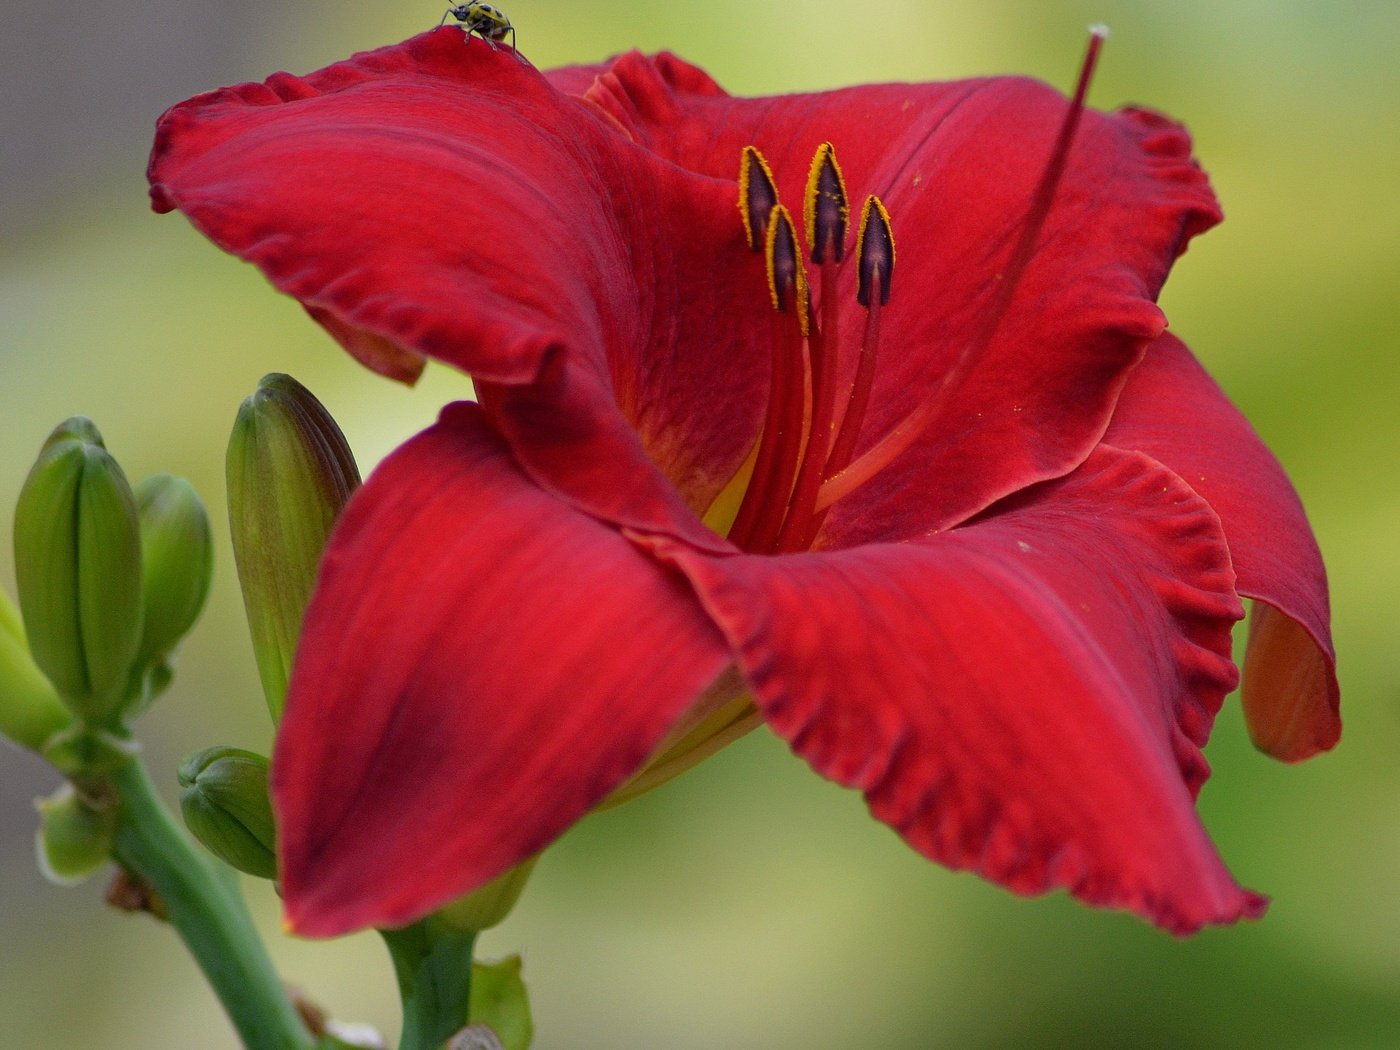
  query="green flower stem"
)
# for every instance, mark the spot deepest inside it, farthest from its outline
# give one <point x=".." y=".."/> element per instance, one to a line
<point x="208" y="912"/>
<point x="434" y="968"/>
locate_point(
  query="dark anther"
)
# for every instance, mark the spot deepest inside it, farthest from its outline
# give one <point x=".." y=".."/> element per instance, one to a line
<point x="875" y="254"/>
<point x="758" y="196"/>
<point x="780" y="253"/>
<point x="825" y="211"/>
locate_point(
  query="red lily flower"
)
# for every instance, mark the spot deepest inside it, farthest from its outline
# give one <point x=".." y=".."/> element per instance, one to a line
<point x="1008" y="624"/>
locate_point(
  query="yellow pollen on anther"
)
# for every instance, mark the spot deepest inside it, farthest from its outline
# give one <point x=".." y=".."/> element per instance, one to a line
<point x="781" y="219"/>
<point x="874" y="207"/>
<point x="826" y="154"/>
<point x="873" y="203"/>
<point x="750" y="158"/>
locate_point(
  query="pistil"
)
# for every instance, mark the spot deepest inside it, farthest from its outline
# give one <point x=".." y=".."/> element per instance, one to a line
<point x="805" y="459"/>
<point x="1008" y="280"/>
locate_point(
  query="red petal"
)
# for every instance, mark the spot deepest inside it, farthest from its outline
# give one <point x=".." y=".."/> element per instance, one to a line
<point x="444" y="200"/>
<point x="460" y="695"/>
<point x="1025" y="696"/>
<point x="1172" y="410"/>
<point x="347" y="188"/>
<point x="957" y="164"/>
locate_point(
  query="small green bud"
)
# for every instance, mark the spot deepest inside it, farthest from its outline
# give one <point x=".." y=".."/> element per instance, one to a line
<point x="226" y="807"/>
<point x="290" y="471"/>
<point x="177" y="563"/>
<point x="78" y="565"/>
<point x="500" y="1001"/>
<point x="30" y="711"/>
<point x="75" y="836"/>
<point x="489" y="905"/>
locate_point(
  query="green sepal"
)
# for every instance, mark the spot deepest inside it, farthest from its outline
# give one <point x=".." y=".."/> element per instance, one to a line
<point x="78" y="567"/>
<point x="290" y="471"/>
<point x="30" y="711"/>
<point x="177" y="563"/>
<point x="500" y="1000"/>
<point x="489" y="905"/>
<point x="226" y="806"/>
<point x="75" y="837"/>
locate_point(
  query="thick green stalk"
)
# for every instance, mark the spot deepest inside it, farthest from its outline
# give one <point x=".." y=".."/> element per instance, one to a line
<point x="434" y="968"/>
<point x="209" y="914"/>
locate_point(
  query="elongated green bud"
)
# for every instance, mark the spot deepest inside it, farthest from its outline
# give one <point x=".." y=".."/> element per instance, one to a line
<point x="30" y="711"/>
<point x="75" y="837"/>
<point x="78" y="565"/>
<point x="177" y="563"/>
<point x="290" y="472"/>
<point x="226" y="806"/>
<point x="489" y="905"/>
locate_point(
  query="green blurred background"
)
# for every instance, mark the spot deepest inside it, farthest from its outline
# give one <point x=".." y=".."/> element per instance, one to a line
<point x="750" y="904"/>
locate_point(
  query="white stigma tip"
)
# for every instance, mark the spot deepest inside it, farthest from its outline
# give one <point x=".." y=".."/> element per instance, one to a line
<point x="1099" y="30"/>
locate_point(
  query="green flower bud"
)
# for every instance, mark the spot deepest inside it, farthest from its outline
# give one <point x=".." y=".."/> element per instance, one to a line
<point x="75" y="836"/>
<point x="30" y="711"/>
<point x="177" y="563"/>
<point x="489" y="905"/>
<point x="226" y="807"/>
<point x="290" y="472"/>
<point x="78" y="565"/>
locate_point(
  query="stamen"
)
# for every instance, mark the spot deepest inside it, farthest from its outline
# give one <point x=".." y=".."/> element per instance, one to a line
<point x="780" y="444"/>
<point x="875" y="255"/>
<point x="874" y="264"/>
<point x="822" y="350"/>
<point x="827" y="215"/>
<point x="787" y="280"/>
<point x="775" y="425"/>
<point x="913" y="425"/>
<point x="758" y="196"/>
<point x="874" y="252"/>
<point x="772" y="494"/>
<point x="825" y="212"/>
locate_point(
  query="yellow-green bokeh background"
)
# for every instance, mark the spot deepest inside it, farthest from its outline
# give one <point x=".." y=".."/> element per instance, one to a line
<point x="749" y="904"/>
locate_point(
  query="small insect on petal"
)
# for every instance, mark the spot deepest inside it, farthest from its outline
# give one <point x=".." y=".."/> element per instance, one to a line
<point x="483" y="20"/>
